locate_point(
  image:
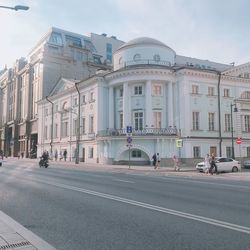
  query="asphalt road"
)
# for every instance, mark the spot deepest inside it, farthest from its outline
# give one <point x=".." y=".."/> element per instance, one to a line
<point x="73" y="209"/>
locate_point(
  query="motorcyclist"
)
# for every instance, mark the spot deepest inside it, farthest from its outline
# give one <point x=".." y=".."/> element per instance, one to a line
<point x="44" y="159"/>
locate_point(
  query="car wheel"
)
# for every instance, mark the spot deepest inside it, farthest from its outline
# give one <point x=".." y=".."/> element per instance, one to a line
<point x="235" y="169"/>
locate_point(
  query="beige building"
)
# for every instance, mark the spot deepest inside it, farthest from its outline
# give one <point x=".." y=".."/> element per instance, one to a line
<point x="59" y="54"/>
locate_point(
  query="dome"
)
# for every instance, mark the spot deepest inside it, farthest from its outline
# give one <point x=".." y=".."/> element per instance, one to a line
<point x="143" y="51"/>
<point x="140" y="41"/>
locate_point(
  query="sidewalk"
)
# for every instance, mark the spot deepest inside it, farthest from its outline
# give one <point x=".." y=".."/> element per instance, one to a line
<point x="15" y="236"/>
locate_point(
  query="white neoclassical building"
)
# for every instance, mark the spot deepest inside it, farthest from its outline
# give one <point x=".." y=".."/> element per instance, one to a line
<point x="169" y="100"/>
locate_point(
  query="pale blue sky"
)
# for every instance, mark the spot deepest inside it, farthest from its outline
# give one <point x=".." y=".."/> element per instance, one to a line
<point x="217" y="30"/>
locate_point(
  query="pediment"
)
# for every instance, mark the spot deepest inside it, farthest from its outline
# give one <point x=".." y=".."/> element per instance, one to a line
<point x="62" y="85"/>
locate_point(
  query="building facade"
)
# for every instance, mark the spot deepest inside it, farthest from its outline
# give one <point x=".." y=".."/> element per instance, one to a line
<point x="163" y="96"/>
<point x="57" y="55"/>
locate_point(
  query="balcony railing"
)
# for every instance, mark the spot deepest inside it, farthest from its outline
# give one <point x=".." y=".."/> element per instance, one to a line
<point x="144" y="62"/>
<point x="143" y="132"/>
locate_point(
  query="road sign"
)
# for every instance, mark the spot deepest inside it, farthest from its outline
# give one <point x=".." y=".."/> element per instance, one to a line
<point x="129" y="129"/>
<point x="179" y="143"/>
<point x="238" y="140"/>
<point x="129" y="139"/>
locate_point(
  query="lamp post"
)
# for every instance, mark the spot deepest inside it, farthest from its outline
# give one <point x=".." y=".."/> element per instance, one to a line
<point x="232" y="130"/>
<point x="16" y="8"/>
<point x="52" y="125"/>
<point x="78" y="125"/>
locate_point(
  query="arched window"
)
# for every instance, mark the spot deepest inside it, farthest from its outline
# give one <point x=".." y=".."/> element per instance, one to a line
<point x="157" y="57"/>
<point x="137" y="57"/>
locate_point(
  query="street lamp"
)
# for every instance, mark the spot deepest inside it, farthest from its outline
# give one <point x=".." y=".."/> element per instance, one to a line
<point x="16" y="8"/>
<point x="52" y="125"/>
<point x="78" y="125"/>
<point x="232" y="130"/>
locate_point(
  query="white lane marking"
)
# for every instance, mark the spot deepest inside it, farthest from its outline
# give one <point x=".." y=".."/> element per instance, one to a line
<point x="188" y="179"/>
<point x="194" y="217"/>
<point x="123" y="180"/>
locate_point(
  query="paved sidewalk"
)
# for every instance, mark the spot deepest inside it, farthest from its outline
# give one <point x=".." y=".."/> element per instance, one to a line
<point x="15" y="236"/>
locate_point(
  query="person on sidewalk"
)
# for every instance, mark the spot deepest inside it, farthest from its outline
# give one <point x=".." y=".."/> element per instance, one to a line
<point x="213" y="165"/>
<point x="176" y="163"/>
<point x="65" y="154"/>
<point x="154" y="160"/>
<point x="158" y="160"/>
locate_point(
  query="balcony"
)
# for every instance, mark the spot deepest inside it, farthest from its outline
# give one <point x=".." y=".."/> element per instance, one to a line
<point x="170" y="131"/>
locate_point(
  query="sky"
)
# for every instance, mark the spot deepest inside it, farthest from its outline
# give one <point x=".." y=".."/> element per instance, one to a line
<point x="216" y="30"/>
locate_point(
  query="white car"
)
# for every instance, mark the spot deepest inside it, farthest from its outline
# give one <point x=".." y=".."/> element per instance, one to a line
<point x="223" y="165"/>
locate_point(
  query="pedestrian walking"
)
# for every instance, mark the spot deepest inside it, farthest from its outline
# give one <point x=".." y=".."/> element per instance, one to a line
<point x="56" y="155"/>
<point x="207" y="160"/>
<point x="158" y="160"/>
<point x="65" y="155"/>
<point x="213" y="165"/>
<point x="154" y="160"/>
<point x="176" y="163"/>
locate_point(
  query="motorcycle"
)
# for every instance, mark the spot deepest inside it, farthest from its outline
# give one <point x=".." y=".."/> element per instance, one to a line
<point x="43" y="162"/>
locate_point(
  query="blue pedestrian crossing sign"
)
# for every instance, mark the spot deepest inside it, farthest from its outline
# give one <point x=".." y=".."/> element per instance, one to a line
<point x="129" y="129"/>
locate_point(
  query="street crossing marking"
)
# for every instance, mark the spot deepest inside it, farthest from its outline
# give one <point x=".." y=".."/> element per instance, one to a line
<point x="194" y="217"/>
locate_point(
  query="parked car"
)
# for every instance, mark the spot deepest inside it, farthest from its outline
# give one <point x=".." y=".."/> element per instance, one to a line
<point x="246" y="163"/>
<point x="223" y="165"/>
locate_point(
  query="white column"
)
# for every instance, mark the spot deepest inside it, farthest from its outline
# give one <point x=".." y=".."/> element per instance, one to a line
<point x="126" y="106"/>
<point x="148" y="104"/>
<point x="111" y="107"/>
<point x="170" y="105"/>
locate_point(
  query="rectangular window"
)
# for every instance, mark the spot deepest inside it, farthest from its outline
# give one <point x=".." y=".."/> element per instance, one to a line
<point x="157" y="119"/>
<point x="248" y="152"/>
<point x="138" y="120"/>
<point x="195" y="89"/>
<point x="109" y="52"/>
<point x="64" y="129"/>
<point x="211" y="91"/>
<point x="121" y="92"/>
<point x="46" y="112"/>
<point x="56" y="131"/>
<point x="75" y="101"/>
<point x="138" y="90"/>
<point x="74" y="126"/>
<point x="211" y="121"/>
<point x="91" y="97"/>
<point x="226" y="93"/>
<point x="157" y="90"/>
<point x="196" y="152"/>
<point x="91" y="152"/>
<point x="83" y="99"/>
<point x="196" y="120"/>
<point x="73" y="41"/>
<point x="121" y="120"/>
<point x="136" y="153"/>
<point x="246" y="123"/>
<point x="229" y="152"/>
<point x="83" y="125"/>
<point x="91" y="124"/>
<point x="227" y="122"/>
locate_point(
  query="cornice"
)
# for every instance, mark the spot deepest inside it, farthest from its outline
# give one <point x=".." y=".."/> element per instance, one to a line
<point x="138" y="71"/>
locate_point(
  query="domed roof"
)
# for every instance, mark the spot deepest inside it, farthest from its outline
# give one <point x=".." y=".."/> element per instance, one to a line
<point x="143" y="41"/>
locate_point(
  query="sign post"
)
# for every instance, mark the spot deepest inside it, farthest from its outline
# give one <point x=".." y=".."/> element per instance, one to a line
<point x="239" y="141"/>
<point x="129" y="141"/>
